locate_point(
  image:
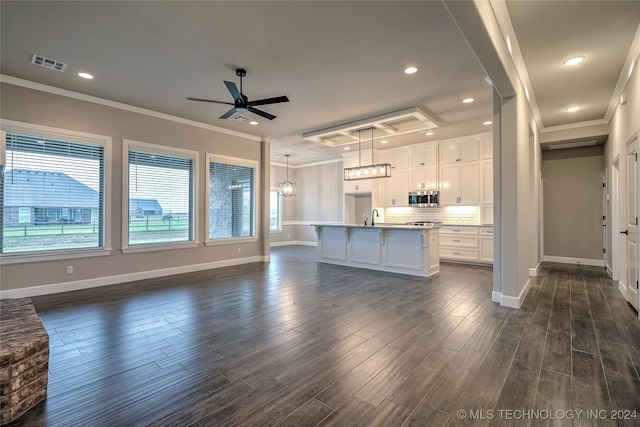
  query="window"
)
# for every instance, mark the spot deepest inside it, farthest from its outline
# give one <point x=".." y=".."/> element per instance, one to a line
<point x="160" y="206"/>
<point x="231" y="198"/>
<point x="275" y="211"/>
<point x="52" y="191"/>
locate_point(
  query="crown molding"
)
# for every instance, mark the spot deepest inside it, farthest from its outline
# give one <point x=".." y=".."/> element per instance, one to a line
<point x="121" y="106"/>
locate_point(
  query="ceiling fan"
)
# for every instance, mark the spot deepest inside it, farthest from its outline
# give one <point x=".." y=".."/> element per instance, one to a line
<point x="241" y="103"/>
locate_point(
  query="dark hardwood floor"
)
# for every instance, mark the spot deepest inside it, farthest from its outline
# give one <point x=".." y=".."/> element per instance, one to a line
<point x="296" y="343"/>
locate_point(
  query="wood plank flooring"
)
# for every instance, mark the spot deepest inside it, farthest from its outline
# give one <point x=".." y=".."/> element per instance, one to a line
<point x="297" y="343"/>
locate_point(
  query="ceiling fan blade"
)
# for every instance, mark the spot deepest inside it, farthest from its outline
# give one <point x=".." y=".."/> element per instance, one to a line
<point x="209" y="100"/>
<point x="261" y="113"/>
<point x="265" y="101"/>
<point x="228" y="114"/>
<point x="233" y="89"/>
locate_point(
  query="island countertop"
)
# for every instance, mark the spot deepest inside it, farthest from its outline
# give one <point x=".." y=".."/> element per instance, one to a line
<point x="387" y="225"/>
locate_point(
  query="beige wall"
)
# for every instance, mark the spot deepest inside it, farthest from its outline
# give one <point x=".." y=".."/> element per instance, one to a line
<point x="40" y="108"/>
<point x="573" y="203"/>
<point x="318" y="199"/>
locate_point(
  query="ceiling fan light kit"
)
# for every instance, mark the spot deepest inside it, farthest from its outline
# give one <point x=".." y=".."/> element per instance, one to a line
<point x="380" y="170"/>
<point x="241" y="103"/>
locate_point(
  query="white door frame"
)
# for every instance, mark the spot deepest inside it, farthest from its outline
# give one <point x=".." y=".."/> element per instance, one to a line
<point x="614" y="195"/>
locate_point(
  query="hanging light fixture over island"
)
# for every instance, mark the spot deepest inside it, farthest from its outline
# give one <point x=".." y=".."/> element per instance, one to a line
<point x="380" y="170"/>
<point x="287" y="188"/>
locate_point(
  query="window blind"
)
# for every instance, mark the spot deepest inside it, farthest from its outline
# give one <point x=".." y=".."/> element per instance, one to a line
<point x="52" y="194"/>
<point x="161" y="198"/>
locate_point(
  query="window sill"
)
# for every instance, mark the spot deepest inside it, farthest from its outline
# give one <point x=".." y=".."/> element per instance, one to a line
<point x="158" y="247"/>
<point x="52" y="256"/>
<point x="275" y="230"/>
<point x="231" y="240"/>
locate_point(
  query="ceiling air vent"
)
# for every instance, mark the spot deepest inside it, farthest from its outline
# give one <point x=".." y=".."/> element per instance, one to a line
<point x="52" y="64"/>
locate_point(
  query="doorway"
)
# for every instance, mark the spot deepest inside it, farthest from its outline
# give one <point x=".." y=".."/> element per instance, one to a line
<point x="631" y="223"/>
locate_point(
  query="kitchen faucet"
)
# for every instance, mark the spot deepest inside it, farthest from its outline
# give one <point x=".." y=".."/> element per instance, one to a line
<point x="375" y="211"/>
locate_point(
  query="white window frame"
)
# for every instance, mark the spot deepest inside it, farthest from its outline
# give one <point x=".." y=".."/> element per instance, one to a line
<point x="280" y="206"/>
<point x="127" y="145"/>
<point x="12" y="126"/>
<point x="218" y="158"/>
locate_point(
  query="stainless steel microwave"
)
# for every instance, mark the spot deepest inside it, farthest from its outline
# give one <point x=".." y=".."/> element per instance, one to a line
<point x="423" y="199"/>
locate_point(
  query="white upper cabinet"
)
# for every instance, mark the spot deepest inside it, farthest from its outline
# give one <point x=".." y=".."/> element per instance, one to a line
<point x="459" y="184"/>
<point x="486" y="146"/>
<point x="398" y="159"/>
<point x="458" y="151"/>
<point x="423" y="161"/>
<point x="423" y="155"/>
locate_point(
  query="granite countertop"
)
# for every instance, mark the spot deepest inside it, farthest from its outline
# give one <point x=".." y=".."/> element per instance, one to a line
<point x="468" y="225"/>
<point x="387" y="226"/>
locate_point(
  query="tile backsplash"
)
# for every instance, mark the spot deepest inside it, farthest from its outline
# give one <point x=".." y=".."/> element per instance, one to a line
<point x="447" y="215"/>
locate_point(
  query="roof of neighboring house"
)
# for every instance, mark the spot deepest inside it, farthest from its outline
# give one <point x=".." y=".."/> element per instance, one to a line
<point x="32" y="188"/>
<point x="145" y="204"/>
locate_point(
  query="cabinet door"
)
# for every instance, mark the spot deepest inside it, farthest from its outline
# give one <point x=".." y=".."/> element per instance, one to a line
<point x="396" y="188"/>
<point x="400" y="187"/>
<point x="448" y="153"/>
<point x="449" y="177"/>
<point x="423" y="156"/>
<point x="468" y="188"/>
<point x="468" y="151"/>
<point x="397" y="159"/>
<point x="486" y="248"/>
<point x="423" y="178"/>
<point x="417" y="179"/>
<point x="486" y="147"/>
<point x="486" y="180"/>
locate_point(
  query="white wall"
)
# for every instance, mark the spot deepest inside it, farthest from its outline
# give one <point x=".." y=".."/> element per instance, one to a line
<point x="622" y="126"/>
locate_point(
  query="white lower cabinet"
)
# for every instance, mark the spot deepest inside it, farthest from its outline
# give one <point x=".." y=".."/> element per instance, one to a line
<point x="486" y="244"/>
<point x="459" y="243"/>
<point x="466" y="244"/>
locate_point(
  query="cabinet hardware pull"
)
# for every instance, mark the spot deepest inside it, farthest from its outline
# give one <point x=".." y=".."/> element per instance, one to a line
<point x="625" y="232"/>
<point x="456" y="240"/>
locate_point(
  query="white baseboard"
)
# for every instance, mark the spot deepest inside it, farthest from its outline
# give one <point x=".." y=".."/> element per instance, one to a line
<point x="533" y="272"/>
<point x="622" y="288"/>
<point x="609" y="271"/>
<point x="509" y="301"/>
<point x="496" y="297"/>
<point x="123" y="278"/>
<point x="575" y="261"/>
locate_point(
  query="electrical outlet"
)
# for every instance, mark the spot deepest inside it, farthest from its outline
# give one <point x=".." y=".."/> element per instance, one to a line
<point x="239" y="250"/>
<point x="69" y="269"/>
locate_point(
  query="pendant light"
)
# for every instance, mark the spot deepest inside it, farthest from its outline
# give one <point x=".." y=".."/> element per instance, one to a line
<point x="287" y="188"/>
<point x="380" y="170"/>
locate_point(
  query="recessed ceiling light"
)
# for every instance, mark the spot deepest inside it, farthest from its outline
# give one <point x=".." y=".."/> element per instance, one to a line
<point x="573" y="109"/>
<point x="253" y="122"/>
<point x="429" y="132"/>
<point x="86" y="76"/>
<point x="347" y="148"/>
<point x="468" y="100"/>
<point x="384" y="141"/>
<point x="575" y="60"/>
<point x="487" y="123"/>
<point x="410" y="70"/>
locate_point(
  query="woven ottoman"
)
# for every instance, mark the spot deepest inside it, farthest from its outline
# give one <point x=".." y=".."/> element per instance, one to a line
<point x="24" y="358"/>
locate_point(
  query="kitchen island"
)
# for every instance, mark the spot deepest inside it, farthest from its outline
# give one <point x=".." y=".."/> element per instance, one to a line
<point x="406" y="249"/>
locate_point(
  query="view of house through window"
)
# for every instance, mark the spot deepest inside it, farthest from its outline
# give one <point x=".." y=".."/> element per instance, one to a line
<point x="52" y="194"/>
<point x="160" y="197"/>
<point x="231" y="199"/>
